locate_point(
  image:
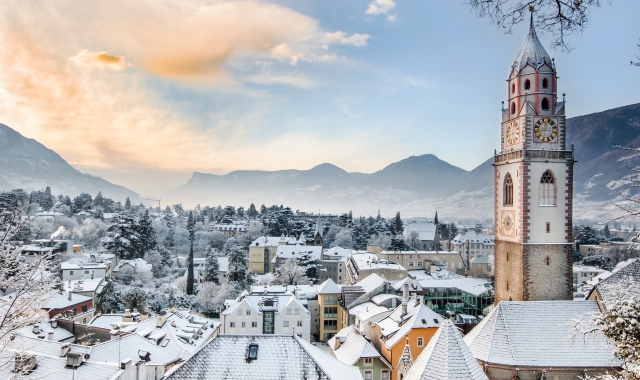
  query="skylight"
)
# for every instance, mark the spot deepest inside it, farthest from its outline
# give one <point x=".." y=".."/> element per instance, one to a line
<point x="253" y="351"/>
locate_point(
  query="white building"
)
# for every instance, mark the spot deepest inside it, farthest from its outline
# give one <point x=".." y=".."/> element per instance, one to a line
<point x="136" y="269"/>
<point x="583" y="273"/>
<point x="478" y="244"/>
<point x="362" y="264"/>
<point x="266" y="314"/>
<point x="230" y="229"/>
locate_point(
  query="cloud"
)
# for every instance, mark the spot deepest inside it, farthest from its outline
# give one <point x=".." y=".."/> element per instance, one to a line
<point x="341" y="38"/>
<point x="101" y="60"/>
<point x="266" y="78"/>
<point x="378" y="7"/>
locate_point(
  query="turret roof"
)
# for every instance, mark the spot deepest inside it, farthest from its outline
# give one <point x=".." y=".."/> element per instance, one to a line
<point x="532" y="52"/>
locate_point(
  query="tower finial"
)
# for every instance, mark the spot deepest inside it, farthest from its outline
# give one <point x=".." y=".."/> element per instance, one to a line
<point x="531" y="9"/>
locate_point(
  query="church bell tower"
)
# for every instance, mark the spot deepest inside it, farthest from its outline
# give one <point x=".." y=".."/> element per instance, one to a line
<point x="533" y="184"/>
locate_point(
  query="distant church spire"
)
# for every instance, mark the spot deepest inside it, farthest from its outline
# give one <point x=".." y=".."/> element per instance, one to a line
<point x="435" y="220"/>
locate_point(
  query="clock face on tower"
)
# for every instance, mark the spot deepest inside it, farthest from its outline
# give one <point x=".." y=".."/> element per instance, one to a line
<point x="508" y="221"/>
<point x="545" y="130"/>
<point x="513" y="133"/>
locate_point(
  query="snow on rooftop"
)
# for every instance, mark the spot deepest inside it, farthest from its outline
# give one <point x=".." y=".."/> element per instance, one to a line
<point x="329" y="287"/>
<point x="353" y="346"/>
<point x="292" y="251"/>
<point x="446" y="357"/>
<point x="365" y="260"/>
<point x="396" y="326"/>
<point x="471" y="285"/>
<point x="62" y="301"/>
<point x="539" y="334"/>
<point x="367" y="310"/>
<point x="623" y="281"/>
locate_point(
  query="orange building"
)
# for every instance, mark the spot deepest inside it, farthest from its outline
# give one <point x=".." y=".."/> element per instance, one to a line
<point x="409" y="328"/>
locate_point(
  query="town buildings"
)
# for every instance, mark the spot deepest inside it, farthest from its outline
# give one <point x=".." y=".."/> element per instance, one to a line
<point x="263" y="250"/>
<point x="363" y="264"/>
<point x="423" y="236"/>
<point x="475" y="243"/>
<point x="351" y="348"/>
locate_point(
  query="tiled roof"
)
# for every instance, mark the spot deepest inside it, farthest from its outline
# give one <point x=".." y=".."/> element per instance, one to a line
<point x="293" y="251"/>
<point x="532" y="52"/>
<point x="395" y="327"/>
<point x="446" y="357"/>
<point x="61" y="301"/>
<point x="59" y="333"/>
<point x="127" y="347"/>
<point x="353" y="346"/>
<point x="538" y="333"/>
<point x="258" y="303"/>
<point x="55" y="368"/>
<point x="272" y="241"/>
<point x="623" y="282"/>
<point x="367" y="310"/>
<point x="278" y="357"/>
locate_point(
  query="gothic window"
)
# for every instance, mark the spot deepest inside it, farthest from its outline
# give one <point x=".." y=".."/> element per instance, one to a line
<point x="508" y="190"/>
<point x="513" y="108"/>
<point x="527" y="84"/>
<point x="545" y="83"/>
<point x="547" y="196"/>
<point x="513" y="88"/>
<point x="545" y="104"/>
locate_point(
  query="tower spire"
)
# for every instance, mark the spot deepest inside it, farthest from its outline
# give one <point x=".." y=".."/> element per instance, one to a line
<point x="532" y="52"/>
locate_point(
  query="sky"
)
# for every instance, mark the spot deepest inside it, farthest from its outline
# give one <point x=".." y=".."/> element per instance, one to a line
<point x="144" y="93"/>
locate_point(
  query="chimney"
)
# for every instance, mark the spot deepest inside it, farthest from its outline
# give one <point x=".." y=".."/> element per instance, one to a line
<point x="24" y="364"/>
<point x="50" y="335"/>
<point x="69" y="292"/>
<point x="161" y="318"/>
<point x="36" y="329"/>
<point x="405" y="299"/>
<point x="64" y="350"/>
<point x="53" y="322"/>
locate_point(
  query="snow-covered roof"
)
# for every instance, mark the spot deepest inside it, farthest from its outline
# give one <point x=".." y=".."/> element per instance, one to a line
<point x="294" y="251"/>
<point x="538" y="333"/>
<point x="55" y="368"/>
<point x="277" y="357"/>
<point x="336" y="252"/>
<point x="425" y="230"/>
<point x="471" y="285"/>
<point x="353" y="346"/>
<point x="59" y="333"/>
<point x="419" y="316"/>
<point x="380" y="298"/>
<point x="260" y="303"/>
<point x="106" y="320"/>
<point x="473" y="237"/>
<point x="480" y="259"/>
<point x="446" y="357"/>
<point x="367" y="310"/>
<point x="587" y="269"/>
<point x="624" y="281"/>
<point x="61" y="301"/>
<point x="139" y="264"/>
<point x="272" y="241"/>
<point x="532" y="52"/>
<point x="414" y="285"/>
<point x="329" y="287"/>
<point x="128" y="346"/>
<point x="83" y="265"/>
<point x="86" y="285"/>
<point x="370" y="261"/>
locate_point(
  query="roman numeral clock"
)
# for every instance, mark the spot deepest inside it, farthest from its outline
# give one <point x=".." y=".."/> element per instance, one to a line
<point x="545" y="130"/>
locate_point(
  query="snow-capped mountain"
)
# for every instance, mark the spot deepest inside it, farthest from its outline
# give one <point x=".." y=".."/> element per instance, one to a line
<point x="29" y="165"/>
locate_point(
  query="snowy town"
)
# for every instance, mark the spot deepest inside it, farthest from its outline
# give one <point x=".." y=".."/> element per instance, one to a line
<point x="535" y="276"/>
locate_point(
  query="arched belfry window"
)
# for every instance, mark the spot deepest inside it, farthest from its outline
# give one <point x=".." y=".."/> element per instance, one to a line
<point x="508" y="190"/>
<point x="545" y="83"/>
<point x="547" y="196"/>
<point x="513" y="108"/>
<point x="545" y="104"/>
<point x="527" y="84"/>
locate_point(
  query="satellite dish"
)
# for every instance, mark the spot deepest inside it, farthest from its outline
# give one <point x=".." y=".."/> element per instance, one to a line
<point x="86" y="356"/>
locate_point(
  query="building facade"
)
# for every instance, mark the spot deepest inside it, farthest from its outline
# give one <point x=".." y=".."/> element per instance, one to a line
<point x="533" y="184"/>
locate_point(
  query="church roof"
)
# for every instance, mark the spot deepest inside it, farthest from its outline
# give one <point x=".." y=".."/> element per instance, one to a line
<point x="532" y="52"/>
<point x="446" y="357"/>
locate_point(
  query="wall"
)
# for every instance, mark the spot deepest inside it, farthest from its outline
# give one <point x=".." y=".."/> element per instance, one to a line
<point x="495" y="372"/>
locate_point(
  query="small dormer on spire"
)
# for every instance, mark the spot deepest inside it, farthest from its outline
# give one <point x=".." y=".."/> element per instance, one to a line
<point x="532" y="52"/>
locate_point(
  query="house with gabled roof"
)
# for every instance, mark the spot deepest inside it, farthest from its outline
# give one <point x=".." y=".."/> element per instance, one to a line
<point x="446" y="357"/>
<point x="411" y="324"/>
<point x="263" y="250"/>
<point x="329" y="316"/>
<point x="623" y="281"/>
<point x="263" y="357"/>
<point x="352" y="348"/>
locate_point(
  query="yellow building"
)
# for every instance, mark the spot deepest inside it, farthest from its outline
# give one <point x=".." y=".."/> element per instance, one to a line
<point x="329" y="316"/>
<point x="263" y="250"/>
<point x="409" y="328"/>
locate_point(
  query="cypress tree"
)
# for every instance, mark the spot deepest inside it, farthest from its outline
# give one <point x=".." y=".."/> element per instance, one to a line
<point x="190" y="227"/>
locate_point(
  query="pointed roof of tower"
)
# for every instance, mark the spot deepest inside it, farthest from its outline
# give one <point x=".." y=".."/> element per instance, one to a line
<point x="406" y="360"/>
<point x="319" y="229"/>
<point x="446" y="357"/>
<point x="532" y="51"/>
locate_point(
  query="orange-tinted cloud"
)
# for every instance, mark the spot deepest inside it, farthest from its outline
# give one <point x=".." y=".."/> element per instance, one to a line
<point x="102" y="60"/>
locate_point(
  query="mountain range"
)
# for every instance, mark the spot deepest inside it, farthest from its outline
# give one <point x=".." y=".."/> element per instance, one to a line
<point x="29" y="165"/>
<point x="416" y="186"/>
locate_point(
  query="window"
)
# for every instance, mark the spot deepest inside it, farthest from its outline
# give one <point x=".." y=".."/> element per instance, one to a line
<point x="232" y="324"/>
<point x="331" y="312"/>
<point x="244" y="324"/>
<point x="385" y="375"/>
<point x="548" y="227"/>
<point x="545" y="104"/>
<point x="420" y="342"/>
<point x="84" y="307"/>
<point x="368" y="375"/>
<point x="86" y="272"/>
<point x="248" y="311"/>
<point x="508" y="190"/>
<point x="254" y="324"/>
<point x="545" y="83"/>
<point x="368" y="361"/>
<point x="410" y="263"/>
<point x="419" y="263"/>
<point x="527" y="84"/>
<point x="285" y="323"/>
<point x="330" y="325"/>
<point x="513" y="88"/>
<point x="297" y="312"/>
<point x="253" y="351"/>
<point x="299" y="324"/>
<point x="240" y="312"/>
<point x="331" y="300"/>
<point x="70" y="273"/>
<point x="513" y="108"/>
<point x="288" y="311"/>
<point x="547" y="196"/>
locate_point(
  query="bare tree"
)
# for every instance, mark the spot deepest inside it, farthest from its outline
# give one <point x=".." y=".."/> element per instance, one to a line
<point x="561" y="18"/>
<point x="26" y="287"/>
<point x="290" y="273"/>
<point x="629" y="201"/>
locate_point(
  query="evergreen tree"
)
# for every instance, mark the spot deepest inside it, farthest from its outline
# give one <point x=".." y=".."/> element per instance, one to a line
<point x="398" y="224"/>
<point x="165" y="255"/>
<point x="190" y="278"/>
<point x="263" y="210"/>
<point x="239" y="273"/>
<point x="607" y="233"/>
<point x="397" y="244"/>
<point x="47" y="201"/>
<point x="169" y="241"/>
<point x="127" y="204"/>
<point x="252" y="212"/>
<point x="311" y="264"/>
<point x="212" y="268"/>
<point x="122" y="238"/>
<point x="453" y="231"/>
<point x="98" y="201"/>
<point x="586" y="235"/>
<point x="147" y="241"/>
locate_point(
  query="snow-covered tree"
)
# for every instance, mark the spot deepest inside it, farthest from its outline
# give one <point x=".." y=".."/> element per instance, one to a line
<point x="606" y="231"/>
<point x="122" y="237"/>
<point x="290" y="273"/>
<point x="212" y="268"/>
<point x="586" y="235"/>
<point x="238" y="272"/>
<point x="147" y="240"/>
<point x="311" y="265"/>
<point x="383" y="241"/>
<point x="135" y="298"/>
<point x="343" y="239"/>
<point x="190" y="277"/>
<point x="252" y="212"/>
<point x="620" y="322"/>
<point x="112" y="301"/>
<point x="127" y="204"/>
